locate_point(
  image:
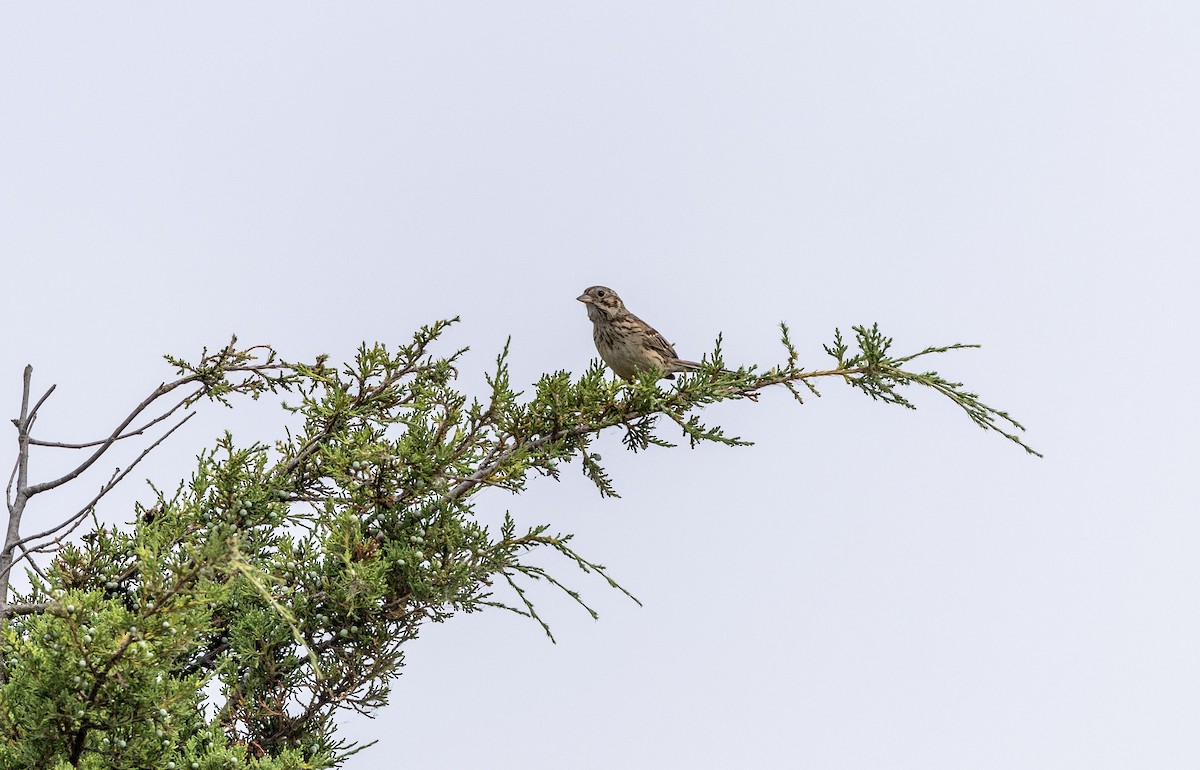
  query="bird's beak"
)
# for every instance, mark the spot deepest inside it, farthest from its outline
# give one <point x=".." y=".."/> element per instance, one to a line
<point x="585" y="299"/>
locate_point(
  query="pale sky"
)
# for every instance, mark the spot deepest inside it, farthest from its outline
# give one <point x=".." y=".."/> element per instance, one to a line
<point x="865" y="587"/>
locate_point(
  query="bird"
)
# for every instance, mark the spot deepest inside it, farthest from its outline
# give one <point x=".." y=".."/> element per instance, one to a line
<point x="628" y="344"/>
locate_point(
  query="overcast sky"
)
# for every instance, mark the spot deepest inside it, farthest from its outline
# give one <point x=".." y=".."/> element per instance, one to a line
<point x="865" y="587"/>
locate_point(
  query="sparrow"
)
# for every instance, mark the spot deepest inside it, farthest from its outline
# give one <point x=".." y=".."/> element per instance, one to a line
<point x="628" y="344"/>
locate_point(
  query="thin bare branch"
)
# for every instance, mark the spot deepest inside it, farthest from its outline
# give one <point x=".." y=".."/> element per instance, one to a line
<point x="157" y="393"/>
<point x="27" y="554"/>
<point x="112" y="482"/>
<point x="203" y="376"/>
<point x="8" y="498"/>
<point x="129" y="434"/>
<point x="33" y="412"/>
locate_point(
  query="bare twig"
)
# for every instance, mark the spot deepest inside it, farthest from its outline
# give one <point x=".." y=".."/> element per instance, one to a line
<point x="104" y="444"/>
<point x="26" y="554"/>
<point x="33" y="412"/>
<point x="75" y="519"/>
<point x="8" y="498"/>
<point x="130" y="434"/>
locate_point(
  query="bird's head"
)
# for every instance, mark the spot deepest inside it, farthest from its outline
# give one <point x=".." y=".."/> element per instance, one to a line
<point x="602" y="302"/>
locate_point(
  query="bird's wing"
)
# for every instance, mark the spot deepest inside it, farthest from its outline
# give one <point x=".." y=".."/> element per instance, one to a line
<point x="657" y="342"/>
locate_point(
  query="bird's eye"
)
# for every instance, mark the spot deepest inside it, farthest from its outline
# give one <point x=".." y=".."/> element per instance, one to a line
<point x="600" y="294"/>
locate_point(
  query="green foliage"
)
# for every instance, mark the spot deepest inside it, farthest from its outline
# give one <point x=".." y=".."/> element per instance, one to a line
<point x="236" y="616"/>
<point x="93" y="683"/>
<point x="877" y="374"/>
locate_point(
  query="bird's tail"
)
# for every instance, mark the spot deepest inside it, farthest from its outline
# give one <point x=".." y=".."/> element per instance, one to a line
<point x="691" y="366"/>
